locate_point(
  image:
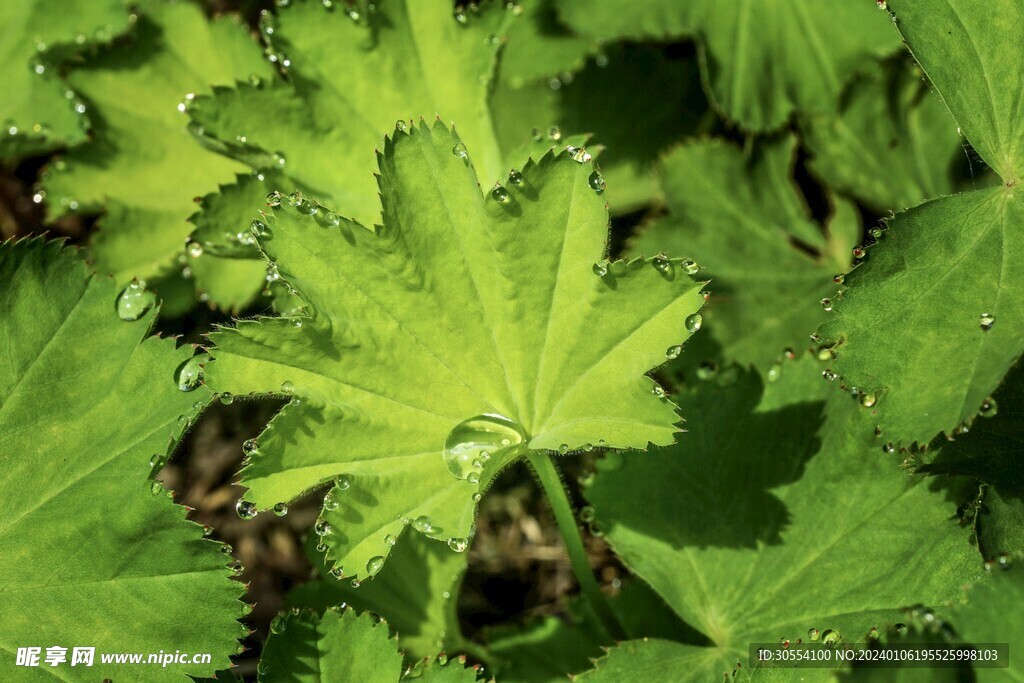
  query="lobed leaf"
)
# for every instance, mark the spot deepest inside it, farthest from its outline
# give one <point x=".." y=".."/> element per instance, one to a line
<point x="805" y="524"/>
<point x="142" y="167"/>
<point x="459" y="308"/>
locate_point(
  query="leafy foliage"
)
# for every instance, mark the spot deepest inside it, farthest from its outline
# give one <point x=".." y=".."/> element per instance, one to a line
<point x="769" y="262"/>
<point x="938" y="299"/>
<point x="538" y="345"/>
<point x="142" y="166"/>
<point x="38" y="111"/>
<point x="79" y="423"/>
<point x="812" y="48"/>
<point x="805" y="523"/>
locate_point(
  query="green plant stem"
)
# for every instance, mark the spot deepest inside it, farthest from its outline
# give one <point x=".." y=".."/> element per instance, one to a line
<point x="552" y="485"/>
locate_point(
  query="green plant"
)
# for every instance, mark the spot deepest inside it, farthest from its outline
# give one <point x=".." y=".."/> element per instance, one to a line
<point x="575" y="246"/>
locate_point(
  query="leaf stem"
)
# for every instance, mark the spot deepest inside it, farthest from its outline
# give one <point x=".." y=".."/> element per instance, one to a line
<point x="551" y="482"/>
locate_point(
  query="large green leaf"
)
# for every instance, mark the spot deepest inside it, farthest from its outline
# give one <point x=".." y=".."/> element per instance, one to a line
<point x="892" y="144"/>
<point x="933" y="317"/>
<point x="740" y="218"/>
<point x="763" y="59"/>
<point x="460" y="307"/>
<point x="38" y="112"/>
<point x="89" y="557"/>
<point x="804" y="522"/>
<point x="966" y="48"/>
<point x="931" y="321"/>
<point x="143" y="167"/>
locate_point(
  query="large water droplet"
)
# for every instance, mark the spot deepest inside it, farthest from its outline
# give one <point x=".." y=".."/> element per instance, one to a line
<point x="459" y="545"/>
<point x="245" y="509"/>
<point x="596" y="182"/>
<point x="190" y="373"/>
<point x="460" y="151"/>
<point x="868" y="399"/>
<point x="322" y="528"/>
<point x="251" y="447"/>
<point x="374" y="565"/>
<point x="422" y="524"/>
<point x="471" y="438"/>
<point x="499" y="194"/>
<point x="693" y="322"/>
<point x="281" y="509"/>
<point x="515" y="177"/>
<point x="672" y="352"/>
<point x="134" y="301"/>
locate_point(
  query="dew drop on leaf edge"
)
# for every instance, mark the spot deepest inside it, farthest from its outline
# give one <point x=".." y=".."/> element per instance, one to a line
<point x="133" y="301"/>
<point x="471" y="438"/>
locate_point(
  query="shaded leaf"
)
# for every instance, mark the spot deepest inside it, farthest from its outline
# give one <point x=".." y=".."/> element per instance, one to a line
<point x="740" y="218"/>
<point x="87" y="401"/>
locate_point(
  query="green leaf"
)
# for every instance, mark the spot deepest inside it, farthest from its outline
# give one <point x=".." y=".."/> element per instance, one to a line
<point x="911" y="324"/>
<point x="349" y="82"/>
<point x="38" y="111"/>
<point x="142" y="167"/>
<point x="635" y="131"/>
<point x="1001" y="524"/>
<point x="994" y="613"/>
<point x="88" y="555"/>
<point x="458" y="308"/>
<point x="762" y="60"/>
<point x="805" y="523"/>
<point x="338" y="646"/>
<point x="414" y="592"/>
<point x="740" y="218"/>
<point x="966" y="49"/>
<point x="909" y="672"/>
<point x="892" y="144"/>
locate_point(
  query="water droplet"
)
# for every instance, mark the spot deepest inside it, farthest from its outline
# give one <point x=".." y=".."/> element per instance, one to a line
<point x="469" y="439"/>
<point x="460" y="151"/>
<point x="374" y="565"/>
<point x="563" y="449"/>
<point x="673" y="352"/>
<point x="838" y="278"/>
<point x="390" y="540"/>
<point x="287" y="387"/>
<point x="500" y="194"/>
<point x="476" y="497"/>
<point x="587" y="514"/>
<point x="774" y="372"/>
<point x="868" y="399"/>
<point x="537" y="135"/>
<point x="830" y="637"/>
<point x="554" y="133"/>
<point x="689" y="266"/>
<point x="459" y="545"/>
<point x="579" y="154"/>
<point x="134" y="300"/>
<point x="190" y="373"/>
<point x="889" y="448"/>
<point x="813" y="634"/>
<point x="343" y="483"/>
<point x="859" y="252"/>
<point x="460" y="15"/>
<point x="601" y="268"/>
<point x="281" y="509"/>
<point x="989" y="408"/>
<point x="322" y="528"/>
<point x="658" y="391"/>
<point x="826" y="304"/>
<point x="279" y="624"/>
<point x="401" y="125"/>
<point x="274" y="199"/>
<point x="986" y="321"/>
<point x="596" y="182"/>
<point x="515" y="177"/>
<point x="158" y="461"/>
<point x="662" y="264"/>
<point x="321" y="547"/>
<point x="693" y="322"/>
<point x="422" y="524"/>
<point x="251" y="447"/>
<point x="245" y="509"/>
<point x="828" y="374"/>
